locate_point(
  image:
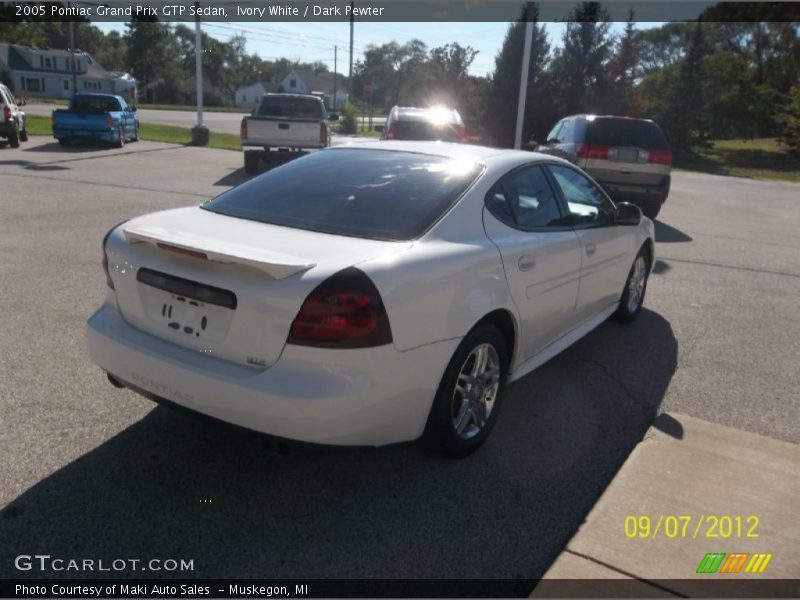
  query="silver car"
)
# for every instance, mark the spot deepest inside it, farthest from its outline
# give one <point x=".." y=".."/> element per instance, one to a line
<point x="629" y="158"/>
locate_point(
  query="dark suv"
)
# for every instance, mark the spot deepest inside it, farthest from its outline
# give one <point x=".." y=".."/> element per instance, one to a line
<point x="629" y="157"/>
<point x="13" y="126"/>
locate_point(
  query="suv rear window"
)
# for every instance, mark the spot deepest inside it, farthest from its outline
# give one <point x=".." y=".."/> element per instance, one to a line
<point x="289" y="106"/>
<point x="606" y="131"/>
<point x="378" y="194"/>
<point x="425" y="131"/>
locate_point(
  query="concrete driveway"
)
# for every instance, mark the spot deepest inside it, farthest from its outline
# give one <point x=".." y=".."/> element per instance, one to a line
<point x="89" y="471"/>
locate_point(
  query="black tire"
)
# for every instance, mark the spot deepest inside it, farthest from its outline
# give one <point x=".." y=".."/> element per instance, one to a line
<point x="135" y="134"/>
<point x="627" y="311"/>
<point x="23" y="135"/>
<point x="651" y="208"/>
<point x="63" y="141"/>
<point x="251" y="162"/>
<point x="440" y="433"/>
<point x="121" y="141"/>
<point x="13" y="139"/>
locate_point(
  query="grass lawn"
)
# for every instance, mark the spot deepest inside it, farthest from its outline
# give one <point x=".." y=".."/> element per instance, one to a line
<point x="38" y="125"/>
<point x="761" y="158"/>
<point x="230" y="109"/>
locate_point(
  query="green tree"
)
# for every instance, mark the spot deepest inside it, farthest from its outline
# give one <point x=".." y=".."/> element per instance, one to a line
<point x="791" y="132"/>
<point x="504" y="87"/>
<point x="622" y="70"/>
<point x="580" y="64"/>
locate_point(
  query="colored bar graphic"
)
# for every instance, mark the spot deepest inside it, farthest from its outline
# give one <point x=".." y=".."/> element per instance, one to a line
<point x="716" y="562"/>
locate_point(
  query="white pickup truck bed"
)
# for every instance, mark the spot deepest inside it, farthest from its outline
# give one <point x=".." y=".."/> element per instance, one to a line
<point x="289" y="122"/>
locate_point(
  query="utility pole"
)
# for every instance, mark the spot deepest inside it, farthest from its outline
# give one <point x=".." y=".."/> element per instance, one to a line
<point x="350" y="73"/>
<point x="335" y="76"/>
<point x="199" y="131"/>
<point x="523" y="78"/>
<point x="72" y="67"/>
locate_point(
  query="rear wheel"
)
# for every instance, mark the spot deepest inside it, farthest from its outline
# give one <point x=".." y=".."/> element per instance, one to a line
<point x="635" y="287"/>
<point x="13" y="139"/>
<point x="468" y="399"/>
<point x="251" y="162"/>
<point x="63" y="141"/>
<point x="120" y="138"/>
<point x="23" y="135"/>
<point x="651" y="208"/>
<point x="135" y="134"/>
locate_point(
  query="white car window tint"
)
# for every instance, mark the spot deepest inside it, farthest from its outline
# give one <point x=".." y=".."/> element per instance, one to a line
<point x="531" y="198"/>
<point x="585" y="200"/>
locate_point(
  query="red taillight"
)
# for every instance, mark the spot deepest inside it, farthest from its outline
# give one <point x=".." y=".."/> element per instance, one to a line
<point x="7" y="112"/>
<point x="110" y="123"/>
<point x="660" y="157"/>
<point x="109" y="283"/>
<point x="344" y="311"/>
<point x="184" y="251"/>
<point x="392" y="131"/>
<point x="589" y="152"/>
<point x="323" y="134"/>
<point x="243" y="129"/>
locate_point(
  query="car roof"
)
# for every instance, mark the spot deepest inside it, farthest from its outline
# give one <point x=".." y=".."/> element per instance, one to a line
<point x="591" y="117"/>
<point x="481" y="154"/>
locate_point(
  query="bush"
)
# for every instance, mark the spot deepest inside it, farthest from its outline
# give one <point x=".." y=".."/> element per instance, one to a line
<point x="791" y="132"/>
<point x="348" y="118"/>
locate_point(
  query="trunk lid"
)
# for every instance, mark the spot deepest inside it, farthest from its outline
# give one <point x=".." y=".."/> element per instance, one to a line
<point x="221" y="285"/>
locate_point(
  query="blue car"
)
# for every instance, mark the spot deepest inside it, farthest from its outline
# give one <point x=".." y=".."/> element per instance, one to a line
<point x="104" y="117"/>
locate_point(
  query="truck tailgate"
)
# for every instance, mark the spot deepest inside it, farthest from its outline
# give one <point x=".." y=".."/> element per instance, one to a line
<point x="69" y="120"/>
<point x="281" y="132"/>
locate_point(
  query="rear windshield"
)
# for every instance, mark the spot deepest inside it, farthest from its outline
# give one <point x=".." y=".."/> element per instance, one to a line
<point x="425" y="131"/>
<point x="92" y="104"/>
<point x="378" y="194"/>
<point x="626" y="132"/>
<point x="289" y="106"/>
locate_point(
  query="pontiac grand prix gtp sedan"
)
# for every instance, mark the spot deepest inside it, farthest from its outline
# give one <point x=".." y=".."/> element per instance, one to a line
<point x="369" y="294"/>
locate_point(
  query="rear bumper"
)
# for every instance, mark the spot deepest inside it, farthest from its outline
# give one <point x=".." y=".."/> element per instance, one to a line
<point x="371" y="396"/>
<point x="105" y="135"/>
<point x="620" y="192"/>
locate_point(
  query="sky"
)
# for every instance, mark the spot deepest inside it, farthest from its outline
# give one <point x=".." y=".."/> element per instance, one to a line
<point x="310" y="42"/>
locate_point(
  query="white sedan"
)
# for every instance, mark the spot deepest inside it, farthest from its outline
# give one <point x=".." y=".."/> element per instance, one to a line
<point x="370" y="294"/>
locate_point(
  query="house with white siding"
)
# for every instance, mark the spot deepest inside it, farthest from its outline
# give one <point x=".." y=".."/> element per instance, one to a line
<point x="297" y="81"/>
<point x="45" y="73"/>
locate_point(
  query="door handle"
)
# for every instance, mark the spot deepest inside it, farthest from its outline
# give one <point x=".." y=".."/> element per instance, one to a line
<point x="590" y="249"/>
<point x="526" y="262"/>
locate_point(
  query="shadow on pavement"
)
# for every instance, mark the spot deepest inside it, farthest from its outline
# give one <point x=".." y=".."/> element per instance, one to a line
<point x="668" y="234"/>
<point x="234" y="178"/>
<point x="172" y="487"/>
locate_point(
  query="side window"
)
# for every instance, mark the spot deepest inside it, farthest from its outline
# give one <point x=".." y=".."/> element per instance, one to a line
<point x="525" y="199"/>
<point x="587" y="203"/>
<point x="552" y="137"/>
<point x="566" y="136"/>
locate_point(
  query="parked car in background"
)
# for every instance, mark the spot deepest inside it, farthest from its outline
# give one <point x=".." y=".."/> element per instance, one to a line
<point x="629" y="157"/>
<point x="369" y="294"/>
<point x="13" y="124"/>
<point x="285" y="122"/>
<point x="102" y="117"/>
<point x="423" y="124"/>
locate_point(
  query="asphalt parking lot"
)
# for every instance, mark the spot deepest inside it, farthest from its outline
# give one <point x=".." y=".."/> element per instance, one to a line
<point x="89" y="471"/>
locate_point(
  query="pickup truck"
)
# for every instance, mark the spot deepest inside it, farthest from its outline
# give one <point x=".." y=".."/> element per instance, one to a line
<point x="97" y="116"/>
<point x="13" y="124"/>
<point x="286" y="122"/>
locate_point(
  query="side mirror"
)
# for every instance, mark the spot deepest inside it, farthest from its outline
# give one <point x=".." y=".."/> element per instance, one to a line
<point x="133" y="109"/>
<point x="379" y="128"/>
<point x="333" y="116"/>
<point x="627" y="214"/>
<point x="553" y="141"/>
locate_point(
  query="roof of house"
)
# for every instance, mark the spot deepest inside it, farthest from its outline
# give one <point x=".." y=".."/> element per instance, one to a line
<point x="318" y="81"/>
<point x="13" y="57"/>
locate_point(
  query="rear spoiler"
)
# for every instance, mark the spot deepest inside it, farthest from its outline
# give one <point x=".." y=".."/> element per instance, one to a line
<point x="274" y="264"/>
